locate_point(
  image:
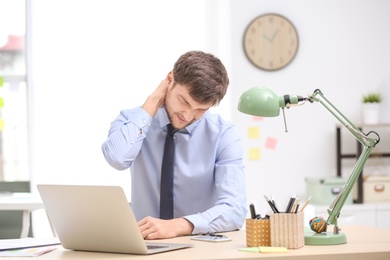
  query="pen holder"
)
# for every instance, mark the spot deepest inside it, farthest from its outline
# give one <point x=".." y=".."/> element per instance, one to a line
<point x="287" y="230"/>
<point x="258" y="232"/>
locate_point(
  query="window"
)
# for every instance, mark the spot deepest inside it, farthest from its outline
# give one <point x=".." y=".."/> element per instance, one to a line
<point x="13" y="92"/>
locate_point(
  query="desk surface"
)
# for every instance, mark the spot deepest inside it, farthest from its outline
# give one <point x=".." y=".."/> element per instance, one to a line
<point x="363" y="243"/>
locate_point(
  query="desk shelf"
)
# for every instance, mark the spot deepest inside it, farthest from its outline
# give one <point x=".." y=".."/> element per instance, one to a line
<point x="340" y="156"/>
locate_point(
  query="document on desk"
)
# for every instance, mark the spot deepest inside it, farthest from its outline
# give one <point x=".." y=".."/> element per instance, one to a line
<point x="35" y="251"/>
<point x="28" y="242"/>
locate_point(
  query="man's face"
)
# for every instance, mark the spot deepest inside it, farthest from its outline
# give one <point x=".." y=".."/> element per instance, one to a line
<point x="181" y="108"/>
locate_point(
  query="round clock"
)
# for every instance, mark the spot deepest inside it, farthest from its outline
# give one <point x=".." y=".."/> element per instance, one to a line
<point x="270" y="42"/>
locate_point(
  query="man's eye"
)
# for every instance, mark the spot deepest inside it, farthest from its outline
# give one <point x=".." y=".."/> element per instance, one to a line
<point x="185" y="102"/>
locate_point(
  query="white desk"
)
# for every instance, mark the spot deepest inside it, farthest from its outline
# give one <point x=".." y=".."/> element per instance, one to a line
<point x="363" y="243"/>
<point x="24" y="202"/>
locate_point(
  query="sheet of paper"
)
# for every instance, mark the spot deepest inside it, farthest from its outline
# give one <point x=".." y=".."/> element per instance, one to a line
<point x="250" y="249"/>
<point x="36" y="251"/>
<point x="28" y="242"/>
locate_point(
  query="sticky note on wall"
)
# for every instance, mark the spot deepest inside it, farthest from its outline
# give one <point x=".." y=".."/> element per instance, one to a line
<point x="271" y="143"/>
<point x="253" y="132"/>
<point x="257" y="118"/>
<point x="254" y="154"/>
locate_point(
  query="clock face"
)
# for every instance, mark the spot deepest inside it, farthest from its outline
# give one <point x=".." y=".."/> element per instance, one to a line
<point x="270" y="42"/>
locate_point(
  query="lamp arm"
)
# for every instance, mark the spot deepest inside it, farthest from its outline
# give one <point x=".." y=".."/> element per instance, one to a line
<point x="336" y="206"/>
<point x="368" y="144"/>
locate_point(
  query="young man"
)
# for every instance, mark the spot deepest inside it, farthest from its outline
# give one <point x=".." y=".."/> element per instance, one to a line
<point x="208" y="174"/>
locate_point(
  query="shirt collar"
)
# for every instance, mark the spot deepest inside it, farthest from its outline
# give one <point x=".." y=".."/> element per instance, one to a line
<point x="163" y="120"/>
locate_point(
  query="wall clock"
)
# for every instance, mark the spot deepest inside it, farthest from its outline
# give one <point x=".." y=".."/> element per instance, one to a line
<point x="270" y="42"/>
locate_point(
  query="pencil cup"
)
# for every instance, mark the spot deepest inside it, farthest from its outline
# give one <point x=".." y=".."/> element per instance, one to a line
<point x="287" y="230"/>
<point x="258" y="232"/>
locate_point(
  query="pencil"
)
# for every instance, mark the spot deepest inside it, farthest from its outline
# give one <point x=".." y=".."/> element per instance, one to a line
<point x="305" y="204"/>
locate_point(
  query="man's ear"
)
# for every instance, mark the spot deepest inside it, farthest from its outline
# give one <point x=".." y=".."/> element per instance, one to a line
<point x="170" y="79"/>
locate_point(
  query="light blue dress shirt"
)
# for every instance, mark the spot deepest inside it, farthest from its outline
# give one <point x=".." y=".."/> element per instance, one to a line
<point x="209" y="181"/>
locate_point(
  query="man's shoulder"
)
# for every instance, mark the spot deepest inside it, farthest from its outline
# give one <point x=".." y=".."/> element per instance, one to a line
<point x="223" y="130"/>
<point x="220" y="126"/>
<point x="217" y="119"/>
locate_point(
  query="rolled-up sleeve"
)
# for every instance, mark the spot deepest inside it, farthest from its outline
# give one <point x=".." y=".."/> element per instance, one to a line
<point x="125" y="137"/>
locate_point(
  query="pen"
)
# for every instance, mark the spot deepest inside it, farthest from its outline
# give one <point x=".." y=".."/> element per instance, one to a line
<point x="253" y="211"/>
<point x="273" y="202"/>
<point x="290" y="203"/>
<point x="298" y="201"/>
<point x="274" y="209"/>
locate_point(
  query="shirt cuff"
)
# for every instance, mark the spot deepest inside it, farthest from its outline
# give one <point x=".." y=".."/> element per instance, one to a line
<point x="142" y="118"/>
<point x="200" y="225"/>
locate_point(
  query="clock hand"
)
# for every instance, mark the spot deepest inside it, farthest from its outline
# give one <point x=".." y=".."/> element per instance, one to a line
<point x="266" y="38"/>
<point x="274" y="35"/>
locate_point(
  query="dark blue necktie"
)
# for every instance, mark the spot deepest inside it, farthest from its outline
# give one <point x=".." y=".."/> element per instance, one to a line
<point x="166" y="186"/>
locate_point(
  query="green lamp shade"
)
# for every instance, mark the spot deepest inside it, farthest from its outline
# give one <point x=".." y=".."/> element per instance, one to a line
<point x="259" y="101"/>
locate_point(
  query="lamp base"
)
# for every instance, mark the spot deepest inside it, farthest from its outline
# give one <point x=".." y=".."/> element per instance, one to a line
<point x="325" y="238"/>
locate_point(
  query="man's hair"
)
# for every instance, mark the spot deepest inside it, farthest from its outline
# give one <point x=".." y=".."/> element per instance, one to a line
<point x="203" y="74"/>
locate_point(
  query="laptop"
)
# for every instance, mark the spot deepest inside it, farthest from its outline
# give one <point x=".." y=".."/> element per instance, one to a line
<point x="97" y="218"/>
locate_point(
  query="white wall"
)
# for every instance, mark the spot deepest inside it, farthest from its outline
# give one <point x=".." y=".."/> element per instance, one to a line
<point x="344" y="51"/>
<point x="89" y="59"/>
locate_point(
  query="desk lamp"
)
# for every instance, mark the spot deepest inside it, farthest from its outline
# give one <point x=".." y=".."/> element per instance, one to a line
<point x="261" y="101"/>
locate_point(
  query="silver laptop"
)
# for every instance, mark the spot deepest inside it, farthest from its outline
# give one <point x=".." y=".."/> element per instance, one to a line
<point x="97" y="218"/>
